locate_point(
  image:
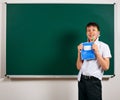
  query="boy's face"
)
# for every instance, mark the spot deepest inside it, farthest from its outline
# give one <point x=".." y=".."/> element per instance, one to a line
<point x="92" y="33"/>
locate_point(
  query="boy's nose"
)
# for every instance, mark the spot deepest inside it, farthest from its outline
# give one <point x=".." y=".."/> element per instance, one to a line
<point x="91" y="32"/>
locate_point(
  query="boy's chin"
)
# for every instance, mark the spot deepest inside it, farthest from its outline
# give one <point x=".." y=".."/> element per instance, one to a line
<point x="90" y="40"/>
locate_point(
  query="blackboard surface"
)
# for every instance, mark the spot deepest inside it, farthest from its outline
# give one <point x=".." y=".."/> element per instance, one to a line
<point x="42" y="39"/>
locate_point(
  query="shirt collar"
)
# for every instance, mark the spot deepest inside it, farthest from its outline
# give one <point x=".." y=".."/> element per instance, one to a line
<point x="96" y="41"/>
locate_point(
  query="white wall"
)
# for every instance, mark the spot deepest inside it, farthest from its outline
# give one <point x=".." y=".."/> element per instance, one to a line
<point x="58" y="89"/>
<point x="0" y="33"/>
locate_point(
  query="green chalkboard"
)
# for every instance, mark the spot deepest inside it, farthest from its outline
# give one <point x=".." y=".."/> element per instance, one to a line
<point x="42" y="39"/>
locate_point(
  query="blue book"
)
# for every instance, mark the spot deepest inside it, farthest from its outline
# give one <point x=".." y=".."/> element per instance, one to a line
<point x="87" y="53"/>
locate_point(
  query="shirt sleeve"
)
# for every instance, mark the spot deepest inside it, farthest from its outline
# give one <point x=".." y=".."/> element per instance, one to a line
<point x="106" y="52"/>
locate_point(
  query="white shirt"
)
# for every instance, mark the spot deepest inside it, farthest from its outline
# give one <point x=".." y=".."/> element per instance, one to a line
<point x="91" y="67"/>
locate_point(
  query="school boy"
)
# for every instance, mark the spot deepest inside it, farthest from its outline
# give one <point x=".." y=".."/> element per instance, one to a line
<point x="91" y="71"/>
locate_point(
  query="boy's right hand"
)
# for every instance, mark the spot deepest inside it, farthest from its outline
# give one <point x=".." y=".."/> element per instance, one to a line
<point x="80" y="47"/>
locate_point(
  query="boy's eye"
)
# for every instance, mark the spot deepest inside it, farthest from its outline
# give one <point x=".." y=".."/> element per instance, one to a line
<point x="91" y="30"/>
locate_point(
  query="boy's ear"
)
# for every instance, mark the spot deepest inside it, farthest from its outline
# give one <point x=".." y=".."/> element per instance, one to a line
<point x="98" y="33"/>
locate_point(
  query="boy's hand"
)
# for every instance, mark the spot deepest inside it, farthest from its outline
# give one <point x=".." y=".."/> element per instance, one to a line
<point x="95" y="48"/>
<point x="80" y="47"/>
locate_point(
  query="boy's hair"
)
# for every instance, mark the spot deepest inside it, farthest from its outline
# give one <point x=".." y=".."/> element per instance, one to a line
<point x="93" y="24"/>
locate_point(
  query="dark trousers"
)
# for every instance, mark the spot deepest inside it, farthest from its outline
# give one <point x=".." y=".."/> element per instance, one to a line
<point x="89" y="88"/>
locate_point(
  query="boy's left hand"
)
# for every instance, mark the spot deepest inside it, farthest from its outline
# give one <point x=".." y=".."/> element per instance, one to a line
<point x="95" y="48"/>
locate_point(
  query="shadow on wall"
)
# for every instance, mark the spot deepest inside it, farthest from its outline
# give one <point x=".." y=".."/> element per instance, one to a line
<point x="66" y="52"/>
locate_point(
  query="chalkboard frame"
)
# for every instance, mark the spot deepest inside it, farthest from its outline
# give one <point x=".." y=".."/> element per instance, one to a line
<point x="54" y="76"/>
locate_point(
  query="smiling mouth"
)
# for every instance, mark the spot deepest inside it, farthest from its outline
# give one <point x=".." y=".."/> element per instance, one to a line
<point x="91" y="36"/>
